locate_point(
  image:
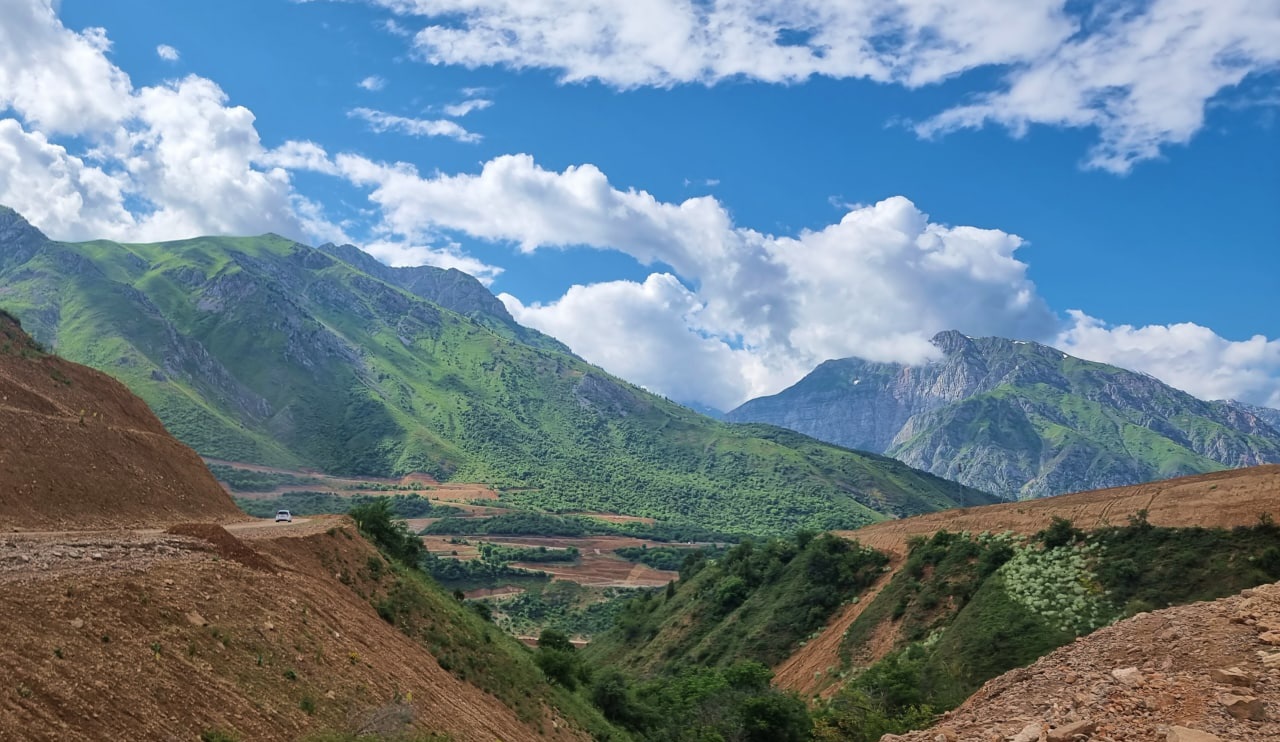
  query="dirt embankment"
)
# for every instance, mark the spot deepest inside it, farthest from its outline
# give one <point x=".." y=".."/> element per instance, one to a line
<point x="1222" y="499"/>
<point x="163" y="636"/>
<point x="79" y="450"/>
<point x="1212" y="668"/>
<point x="805" y="672"/>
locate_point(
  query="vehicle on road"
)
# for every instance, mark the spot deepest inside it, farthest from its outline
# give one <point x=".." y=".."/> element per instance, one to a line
<point x="284" y="516"/>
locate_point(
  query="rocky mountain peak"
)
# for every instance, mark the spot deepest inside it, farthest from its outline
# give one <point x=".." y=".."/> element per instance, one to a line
<point x="952" y="342"/>
<point x="18" y="236"/>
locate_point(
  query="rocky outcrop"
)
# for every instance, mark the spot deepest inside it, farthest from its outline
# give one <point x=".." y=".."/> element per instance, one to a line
<point x="1194" y="673"/>
<point x="450" y="288"/>
<point x="1020" y="419"/>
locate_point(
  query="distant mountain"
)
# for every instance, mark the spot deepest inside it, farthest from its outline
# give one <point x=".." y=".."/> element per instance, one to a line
<point x="263" y="350"/>
<point x="1019" y="419"/>
<point x="1267" y="414"/>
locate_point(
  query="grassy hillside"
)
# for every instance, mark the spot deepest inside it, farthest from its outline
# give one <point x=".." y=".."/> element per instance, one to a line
<point x="757" y="602"/>
<point x="962" y="609"/>
<point x="267" y="351"/>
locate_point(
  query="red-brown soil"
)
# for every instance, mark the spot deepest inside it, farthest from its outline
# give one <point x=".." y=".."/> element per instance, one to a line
<point x="1222" y="499"/>
<point x="805" y="672"/>
<point x="1164" y="661"/>
<point x="417" y="483"/>
<point x="164" y="636"/>
<point x="79" y="450"/>
<point x="597" y="566"/>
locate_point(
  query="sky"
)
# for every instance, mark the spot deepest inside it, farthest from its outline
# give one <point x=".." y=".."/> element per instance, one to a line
<point x="705" y="197"/>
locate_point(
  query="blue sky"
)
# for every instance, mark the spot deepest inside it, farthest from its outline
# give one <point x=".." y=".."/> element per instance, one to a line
<point x="1143" y="187"/>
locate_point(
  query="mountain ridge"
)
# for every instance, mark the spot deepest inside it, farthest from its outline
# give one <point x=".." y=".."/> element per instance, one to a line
<point x="264" y="350"/>
<point x="1019" y="418"/>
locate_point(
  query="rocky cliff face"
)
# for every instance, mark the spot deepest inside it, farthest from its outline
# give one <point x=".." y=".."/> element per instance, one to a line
<point x="1020" y="419"/>
<point x="450" y="288"/>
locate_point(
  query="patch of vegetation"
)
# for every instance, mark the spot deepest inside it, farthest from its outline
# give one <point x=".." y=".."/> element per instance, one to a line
<point x="529" y="523"/>
<point x="561" y="605"/>
<point x="668" y="558"/>
<point x="323" y="503"/>
<point x="471" y="574"/>
<point x="502" y="554"/>
<point x="736" y="702"/>
<point x="757" y="602"/>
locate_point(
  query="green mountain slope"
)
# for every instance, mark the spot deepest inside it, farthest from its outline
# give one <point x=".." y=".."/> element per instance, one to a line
<point x="268" y="351"/>
<point x="1019" y="419"/>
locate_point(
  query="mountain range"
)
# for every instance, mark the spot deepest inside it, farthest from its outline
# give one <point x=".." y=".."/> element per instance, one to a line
<point x="1020" y="419"/>
<point x="267" y="351"/>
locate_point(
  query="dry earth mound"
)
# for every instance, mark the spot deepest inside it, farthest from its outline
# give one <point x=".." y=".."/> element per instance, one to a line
<point x="1222" y="499"/>
<point x="160" y="637"/>
<point x="79" y="450"/>
<point x="1195" y="673"/>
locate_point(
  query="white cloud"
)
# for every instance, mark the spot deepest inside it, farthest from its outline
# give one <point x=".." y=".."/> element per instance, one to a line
<point x="1143" y="79"/>
<point x="878" y="284"/>
<point x="373" y="83"/>
<point x="57" y="191"/>
<point x="1185" y="355"/>
<point x="660" y="352"/>
<point x="60" y="81"/>
<point x="381" y="121"/>
<point x="458" y="110"/>
<point x="1139" y="72"/>
<point x="167" y="53"/>
<point x="451" y="255"/>
<point x="162" y="162"/>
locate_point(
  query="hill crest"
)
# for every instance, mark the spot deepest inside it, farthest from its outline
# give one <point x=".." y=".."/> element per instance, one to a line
<point x="79" y="450"/>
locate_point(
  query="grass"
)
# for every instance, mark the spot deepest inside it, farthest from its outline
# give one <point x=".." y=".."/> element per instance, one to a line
<point x="756" y="602"/>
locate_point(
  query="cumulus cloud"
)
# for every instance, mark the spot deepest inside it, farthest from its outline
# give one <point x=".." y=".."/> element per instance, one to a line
<point x="877" y="284"/>
<point x="57" y="191"/>
<point x="1185" y="355"/>
<point x="373" y="83"/>
<point x="161" y="162"/>
<point x="167" y="53"/>
<point x="661" y="352"/>
<point x="380" y="121"/>
<point x="60" y="81"/>
<point x="458" y="110"/>
<point x="1140" y="73"/>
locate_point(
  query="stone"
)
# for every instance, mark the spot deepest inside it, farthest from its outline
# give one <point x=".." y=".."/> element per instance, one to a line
<point x="1232" y="676"/>
<point x="77" y="623"/>
<point x="1270" y="637"/>
<point x="946" y="734"/>
<point x="1128" y="676"/>
<point x="1185" y="734"/>
<point x="1068" y="732"/>
<point x="1244" y="707"/>
<point x="1029" y="733"/>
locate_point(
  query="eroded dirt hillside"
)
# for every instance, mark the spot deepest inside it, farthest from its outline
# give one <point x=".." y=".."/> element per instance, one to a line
<point x="148" y="636"/>
<point x="1195" y="673"/>
<point x="79" y="450"/>
<point x="1222" y="499"/>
